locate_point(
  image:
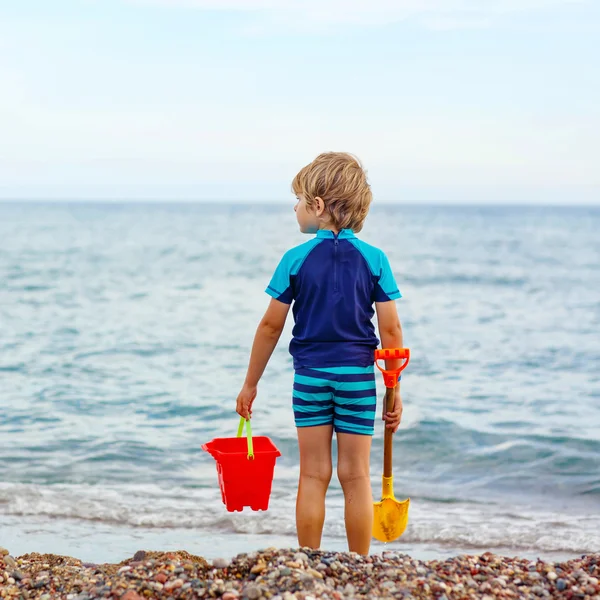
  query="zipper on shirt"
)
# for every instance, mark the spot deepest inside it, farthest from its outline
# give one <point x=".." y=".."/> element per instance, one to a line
<point x="335" y="261"/>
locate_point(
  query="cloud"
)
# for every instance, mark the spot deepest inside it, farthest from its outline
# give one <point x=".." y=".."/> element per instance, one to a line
<point x="434" y="14"/>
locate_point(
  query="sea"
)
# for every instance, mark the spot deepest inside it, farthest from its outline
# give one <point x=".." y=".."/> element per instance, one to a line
<point x="125" y="331"/>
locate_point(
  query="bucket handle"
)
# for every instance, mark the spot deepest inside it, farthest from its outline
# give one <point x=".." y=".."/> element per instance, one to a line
<point x="249" y="435"/>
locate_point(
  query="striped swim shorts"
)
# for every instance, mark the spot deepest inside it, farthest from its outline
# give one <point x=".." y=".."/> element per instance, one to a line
<point x="344" y="397"/>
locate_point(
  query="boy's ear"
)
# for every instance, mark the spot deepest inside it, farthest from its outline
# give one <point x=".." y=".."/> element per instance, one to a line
<point x="319" y="206"/>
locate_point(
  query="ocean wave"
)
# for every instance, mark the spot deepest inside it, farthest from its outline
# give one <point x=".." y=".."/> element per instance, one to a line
<point x="460" y="524"/>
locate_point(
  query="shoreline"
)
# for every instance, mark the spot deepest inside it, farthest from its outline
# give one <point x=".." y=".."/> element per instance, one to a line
<point x="100" y="542"/>
<point x="296" y="574"/>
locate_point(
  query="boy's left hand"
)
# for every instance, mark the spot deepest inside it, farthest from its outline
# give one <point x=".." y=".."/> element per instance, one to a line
<point x="244" y="401"/>
<point x="393" y="418"/>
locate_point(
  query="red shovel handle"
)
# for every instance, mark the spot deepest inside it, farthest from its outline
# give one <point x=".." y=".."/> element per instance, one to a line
<point x="390" y="376"/>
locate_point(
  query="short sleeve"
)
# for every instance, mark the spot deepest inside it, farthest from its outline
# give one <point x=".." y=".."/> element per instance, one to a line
<point x="386" y="288"/>
<point x="280" y="286"/>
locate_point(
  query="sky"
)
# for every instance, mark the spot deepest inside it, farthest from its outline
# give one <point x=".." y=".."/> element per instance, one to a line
<point x="444" y="101"/>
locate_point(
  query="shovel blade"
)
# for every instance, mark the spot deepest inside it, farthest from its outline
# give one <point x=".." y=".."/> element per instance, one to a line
<point x="390" y="518"/>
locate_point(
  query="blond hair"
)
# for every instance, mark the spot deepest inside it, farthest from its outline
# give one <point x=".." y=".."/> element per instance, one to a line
<point x="340" y="181"/>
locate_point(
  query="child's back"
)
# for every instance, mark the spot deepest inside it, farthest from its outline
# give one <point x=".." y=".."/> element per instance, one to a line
<point x="333" y="281"/>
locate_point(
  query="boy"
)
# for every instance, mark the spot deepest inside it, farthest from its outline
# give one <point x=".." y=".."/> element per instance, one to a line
<point x="333" y="281"/>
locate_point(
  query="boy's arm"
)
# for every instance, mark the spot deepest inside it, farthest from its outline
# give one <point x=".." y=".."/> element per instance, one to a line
<point x="267" y="335"/>
<point x="390" y="333"/>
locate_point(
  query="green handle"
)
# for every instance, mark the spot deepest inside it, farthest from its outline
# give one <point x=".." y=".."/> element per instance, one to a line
<point x="249" y="434"/>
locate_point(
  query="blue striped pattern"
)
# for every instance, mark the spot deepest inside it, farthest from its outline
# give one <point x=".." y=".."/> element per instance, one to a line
<point x="344" y="397"/>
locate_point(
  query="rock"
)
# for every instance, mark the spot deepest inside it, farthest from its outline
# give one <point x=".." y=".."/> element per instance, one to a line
<point x="552" y="576"/>
<point x="561" y="585"/>
<point x="259" y="567"/>
<point x="538" y="590"/>
<point x="301" y="557"/>
<point x="9" y="561"/>
<point x="221" y="563"/>
<point x="217" y="589"/>
<point x="139" y="556"/>
<point x="161" y="578"/>
<point x="314" y="573"/>
<point x="252" y="592"/>
<point x="349" y="590"/>
<point x="123" y="570"/>
<point x="173" y="585"/>
<point x="231" y="595"/>
<point x="131" y="595"/>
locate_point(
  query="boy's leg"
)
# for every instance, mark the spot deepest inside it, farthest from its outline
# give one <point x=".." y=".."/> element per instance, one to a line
<point x="354" y="452"/>
<point x="315" y="474"/>
<point x="313" y="413"/>
<point x="355" y="403"/>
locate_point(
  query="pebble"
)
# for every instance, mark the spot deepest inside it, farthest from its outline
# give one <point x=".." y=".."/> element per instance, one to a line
<point x="258" y="568"/>
<point x="296" y="574"/>
<point x="561" y="585"/>
<point x="252" y="592"/>
<point x="221" y="563"/>
<point x="9" y="561"/>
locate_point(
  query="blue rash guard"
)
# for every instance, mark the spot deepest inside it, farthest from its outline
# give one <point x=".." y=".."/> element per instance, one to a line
<point x="333" y="281"/>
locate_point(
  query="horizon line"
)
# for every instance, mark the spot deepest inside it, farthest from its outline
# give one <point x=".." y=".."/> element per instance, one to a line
<point x="282" y="202"/>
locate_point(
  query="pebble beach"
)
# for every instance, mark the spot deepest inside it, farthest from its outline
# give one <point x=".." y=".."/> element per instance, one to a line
<point x="301" y="574"/>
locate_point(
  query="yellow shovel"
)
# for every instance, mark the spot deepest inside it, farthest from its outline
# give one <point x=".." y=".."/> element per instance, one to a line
<point x="390" y="516"/>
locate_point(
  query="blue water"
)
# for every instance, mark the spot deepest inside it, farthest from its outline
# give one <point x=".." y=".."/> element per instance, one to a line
<point x="124" y="336"/>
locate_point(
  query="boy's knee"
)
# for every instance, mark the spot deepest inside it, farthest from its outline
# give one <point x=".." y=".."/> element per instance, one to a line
<point x="319" y="472"/>
<point x="349" y="472"/>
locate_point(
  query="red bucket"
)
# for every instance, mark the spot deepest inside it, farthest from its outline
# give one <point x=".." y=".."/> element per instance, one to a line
<point x="245" y="468"/>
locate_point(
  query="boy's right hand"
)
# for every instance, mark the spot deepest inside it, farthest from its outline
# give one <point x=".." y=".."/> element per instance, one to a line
<point x="244" y="401"/>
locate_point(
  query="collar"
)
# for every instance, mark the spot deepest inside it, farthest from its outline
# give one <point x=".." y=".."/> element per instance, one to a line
<point x="344" y="234"/>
